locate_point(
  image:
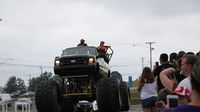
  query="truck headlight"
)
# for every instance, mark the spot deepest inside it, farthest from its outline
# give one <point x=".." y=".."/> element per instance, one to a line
<point x="57" y="63"/>
<point x="90" y="60"/>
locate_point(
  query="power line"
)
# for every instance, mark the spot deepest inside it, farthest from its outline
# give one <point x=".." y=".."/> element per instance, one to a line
<point x="27" y="50"/>
<point x="5" y="61"/>
<point x="28" y="29"/>
<point x="26" y="65"/>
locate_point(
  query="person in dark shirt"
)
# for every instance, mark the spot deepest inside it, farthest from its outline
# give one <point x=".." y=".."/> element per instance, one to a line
<point x="164" y="64"/>
<point x="198" y="54"/>
<point x="82" y="43"/>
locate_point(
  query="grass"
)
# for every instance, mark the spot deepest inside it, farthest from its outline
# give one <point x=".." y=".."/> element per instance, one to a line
<point x="135" y="98"/>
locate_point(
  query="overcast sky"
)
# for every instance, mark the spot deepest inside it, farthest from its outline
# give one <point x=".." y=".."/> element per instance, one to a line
<point x="33" y="32"/>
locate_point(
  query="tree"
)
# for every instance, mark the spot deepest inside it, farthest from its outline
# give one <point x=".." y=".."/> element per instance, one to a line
<point x="15" y="85"/>
<point x="34" y="81"/>
<point x="21" y="86"/>
<point x="11" y="85"/>
<point x="45" y="76"/>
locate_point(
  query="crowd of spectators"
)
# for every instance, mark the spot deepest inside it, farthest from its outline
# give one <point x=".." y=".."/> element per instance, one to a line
<point x="177" y="74"/>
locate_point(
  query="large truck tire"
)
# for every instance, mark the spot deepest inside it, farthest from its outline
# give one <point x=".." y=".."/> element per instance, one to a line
<point x="67" y="106"/>
<point x="48" y="97"/>
<point x="108" y="95"/>
<point x="117" y="75"/>
<point x="125" y="95"/>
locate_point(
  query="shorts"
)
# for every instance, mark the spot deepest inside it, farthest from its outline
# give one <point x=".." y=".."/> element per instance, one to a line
<point x="149" y="102"/>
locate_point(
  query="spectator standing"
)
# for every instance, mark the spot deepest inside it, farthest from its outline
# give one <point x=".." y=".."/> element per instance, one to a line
<point x="183" y="98"/>
<point x="147" y="89"/>
<point x="166" y="80"/>
<point x="82" y="43"/>
<point x="198" y="54"/>
<point x="194" y="105"/>
<point x="186" y="67"/>
<point x="164" y="64"/>
<point x="178" y="73"/>
<point x="179" y="57"/>
<point x="173" y="59"/>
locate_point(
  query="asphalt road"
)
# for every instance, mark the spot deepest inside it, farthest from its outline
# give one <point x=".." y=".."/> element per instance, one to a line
<point x="133" y="108"/>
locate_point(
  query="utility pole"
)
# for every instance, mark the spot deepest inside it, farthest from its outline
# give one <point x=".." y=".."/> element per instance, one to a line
<point x="30" y="77"/>
<point x="40" y="69"/>
<point x="150" y="44"/>
<point x="142" y="63"/>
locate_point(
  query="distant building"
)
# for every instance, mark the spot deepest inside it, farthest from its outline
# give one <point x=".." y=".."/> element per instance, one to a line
<point x="130" y="81"/>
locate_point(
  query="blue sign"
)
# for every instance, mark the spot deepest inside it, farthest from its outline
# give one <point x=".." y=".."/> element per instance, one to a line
<point x="130" y="81"/>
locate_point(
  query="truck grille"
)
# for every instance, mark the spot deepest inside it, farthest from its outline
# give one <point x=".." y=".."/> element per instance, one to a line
<point x="74" y="61"/>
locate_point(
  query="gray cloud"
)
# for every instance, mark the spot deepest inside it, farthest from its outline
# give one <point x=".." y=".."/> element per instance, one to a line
<point x="36" y="31"/>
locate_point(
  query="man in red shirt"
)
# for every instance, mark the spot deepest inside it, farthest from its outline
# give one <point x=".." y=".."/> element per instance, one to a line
<point x="102" y="48"/>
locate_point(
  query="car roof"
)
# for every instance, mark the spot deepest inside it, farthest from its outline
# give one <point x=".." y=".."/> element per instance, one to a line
<point x="24" y="99"/>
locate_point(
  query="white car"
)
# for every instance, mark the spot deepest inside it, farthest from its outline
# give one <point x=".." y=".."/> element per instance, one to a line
<point x="23" y="103"/>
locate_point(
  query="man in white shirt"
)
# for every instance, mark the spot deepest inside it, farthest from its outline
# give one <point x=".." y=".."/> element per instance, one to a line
<point x="186" y="66"/>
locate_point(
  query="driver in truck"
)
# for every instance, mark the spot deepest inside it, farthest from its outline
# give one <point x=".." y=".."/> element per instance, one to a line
<point x="82" y="43"/>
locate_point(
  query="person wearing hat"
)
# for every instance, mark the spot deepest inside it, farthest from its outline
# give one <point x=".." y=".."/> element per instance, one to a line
<point x="82" y="43"/>
<point x="194" y="105"/>
<point x="183" y="94"/>
<point x="183" y="98"/>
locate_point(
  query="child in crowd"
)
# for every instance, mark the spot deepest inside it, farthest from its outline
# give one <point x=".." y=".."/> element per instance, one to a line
<point x="147" y="89"/>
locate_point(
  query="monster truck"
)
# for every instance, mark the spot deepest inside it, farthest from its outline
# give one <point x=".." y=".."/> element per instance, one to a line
<point x="82" y="74"/>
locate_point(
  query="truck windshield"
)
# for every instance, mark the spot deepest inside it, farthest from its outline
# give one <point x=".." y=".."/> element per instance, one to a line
<point x="80" y="50"/>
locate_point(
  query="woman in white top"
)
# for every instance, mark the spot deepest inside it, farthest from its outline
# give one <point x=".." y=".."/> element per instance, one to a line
<point x="147" y="89"/>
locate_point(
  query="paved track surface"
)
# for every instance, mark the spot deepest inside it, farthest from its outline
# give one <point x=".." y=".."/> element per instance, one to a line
<point x="133" y="108"/>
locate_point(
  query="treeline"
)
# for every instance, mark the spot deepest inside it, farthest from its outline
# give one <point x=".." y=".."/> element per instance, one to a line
<point x="16" y="84"/>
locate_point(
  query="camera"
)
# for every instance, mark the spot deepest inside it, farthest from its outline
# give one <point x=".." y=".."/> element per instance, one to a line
<point x="157" y="64"/>
<point x="172" y="100"/>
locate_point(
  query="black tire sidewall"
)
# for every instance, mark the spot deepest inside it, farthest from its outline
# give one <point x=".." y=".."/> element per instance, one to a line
<point x="47" y="97"/>
<point x="125" y="95"/>
<point x="107" y="95"/>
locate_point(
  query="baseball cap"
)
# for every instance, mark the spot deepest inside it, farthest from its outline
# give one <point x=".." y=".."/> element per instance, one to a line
<point x="181" y="90"/>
